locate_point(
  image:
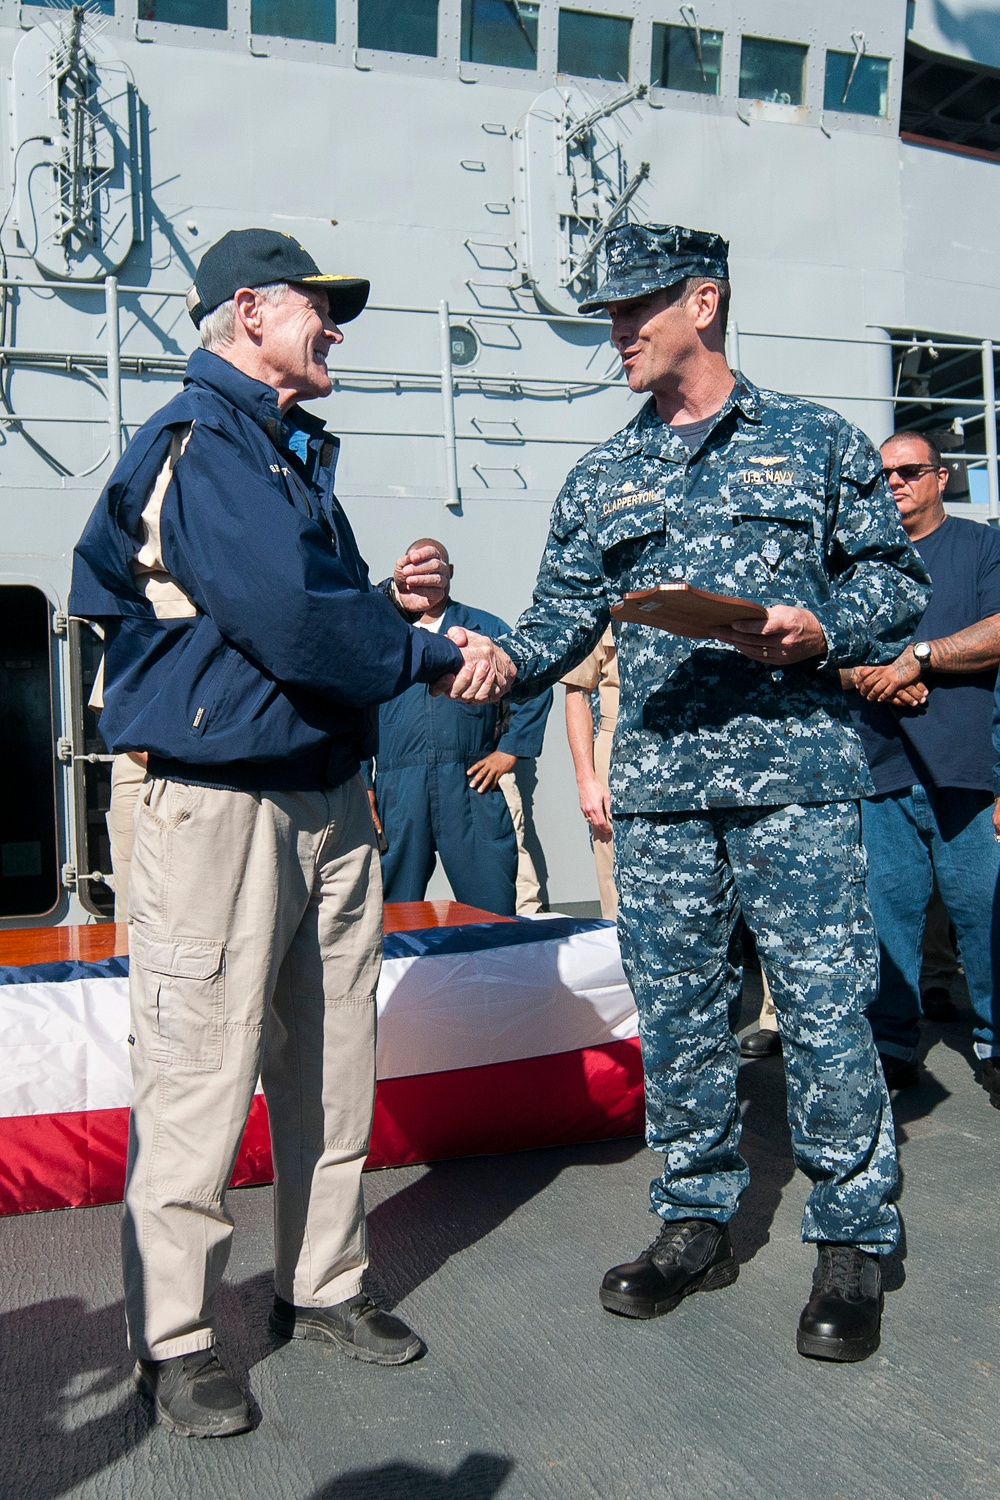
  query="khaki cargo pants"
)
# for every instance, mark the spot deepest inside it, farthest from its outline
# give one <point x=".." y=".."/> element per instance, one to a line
<point x="255" y="946"/>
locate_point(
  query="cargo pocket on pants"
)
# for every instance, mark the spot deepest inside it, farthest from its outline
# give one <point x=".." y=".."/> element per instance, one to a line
<point x="184" y="988"/>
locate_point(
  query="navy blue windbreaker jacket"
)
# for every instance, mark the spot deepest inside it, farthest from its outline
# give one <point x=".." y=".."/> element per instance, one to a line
<point x="244" y="644"/>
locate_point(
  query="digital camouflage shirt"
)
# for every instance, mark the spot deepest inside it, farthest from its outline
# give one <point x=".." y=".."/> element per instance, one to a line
<point x="783" y="503"/>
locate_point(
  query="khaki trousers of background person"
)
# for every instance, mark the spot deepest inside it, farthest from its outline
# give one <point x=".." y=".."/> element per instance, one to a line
<point x="527" y="887"/>
<point x="255" y="946"/>
<point x="604" y="849"/>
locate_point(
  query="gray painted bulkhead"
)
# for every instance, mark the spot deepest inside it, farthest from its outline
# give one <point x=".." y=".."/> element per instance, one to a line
<point x="407" y="170"/>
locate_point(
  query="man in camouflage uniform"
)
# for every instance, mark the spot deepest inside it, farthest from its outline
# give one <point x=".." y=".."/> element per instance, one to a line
<point x="736" y="777"/>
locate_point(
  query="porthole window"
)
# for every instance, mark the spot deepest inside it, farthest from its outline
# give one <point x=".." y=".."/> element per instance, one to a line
<point x="687" y="58"/>
<point x="306" y="20"/>
<point x="501" y="32"/>
<point x="858" y="85"/>
<point x="464" y="345"/>
<point x="592" y="46"/>
<point x="211" y="13"/>
<point x="388" y="26"/>
<point x="772" y="71"/>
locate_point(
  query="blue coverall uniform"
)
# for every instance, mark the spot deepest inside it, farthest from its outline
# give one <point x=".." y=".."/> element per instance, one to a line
<point x="425" y="800"/>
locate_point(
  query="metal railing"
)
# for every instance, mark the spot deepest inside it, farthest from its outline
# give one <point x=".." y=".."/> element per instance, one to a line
<point x="451" y="380"/>
<point x="984" y="409"/>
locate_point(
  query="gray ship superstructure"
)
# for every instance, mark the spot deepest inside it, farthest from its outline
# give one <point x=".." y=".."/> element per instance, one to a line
<point x="469" y="156"/>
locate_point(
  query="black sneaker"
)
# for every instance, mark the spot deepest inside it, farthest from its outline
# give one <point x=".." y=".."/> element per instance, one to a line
<point x="357" y="1326"/>
<point x="937" y="1005"/>
<point x="899" y="1073"/>
<point x="989" y="1077"/>
<point x="193" y="1395"/>
<point x="842" y="1318"/>
<point x="688" y="1255"/>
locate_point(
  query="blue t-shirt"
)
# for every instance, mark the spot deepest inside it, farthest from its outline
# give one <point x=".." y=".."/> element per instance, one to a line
<point x="948" y="741"/>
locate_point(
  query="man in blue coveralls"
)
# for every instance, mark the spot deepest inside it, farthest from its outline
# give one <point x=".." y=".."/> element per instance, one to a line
<point x="735" y="774"/>
<point x="439" y="765"/>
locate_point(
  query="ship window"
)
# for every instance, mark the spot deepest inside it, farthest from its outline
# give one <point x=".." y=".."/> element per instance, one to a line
<point x="388" y="26"/>
<point x="502" y="32"/>
<point x="939" y="390"/>
<point x="307" y="20"/>
<point x="950" y="102"/>
<point x="29" y="874"/>
<point x="686" y="57"/>
<point x="593" y="46"/>
<point x="772" y="71"/>
<point x="210" y="13"/>
<point x="100" y="7"/>
<point x="856" y="84"/>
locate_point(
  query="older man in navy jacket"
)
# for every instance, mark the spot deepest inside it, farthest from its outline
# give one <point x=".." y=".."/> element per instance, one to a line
<point x="246" y="654"/>
<point x="440" y="764"/>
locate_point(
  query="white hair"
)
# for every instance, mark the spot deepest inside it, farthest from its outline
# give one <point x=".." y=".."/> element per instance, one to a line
<point x="218" y="326"/>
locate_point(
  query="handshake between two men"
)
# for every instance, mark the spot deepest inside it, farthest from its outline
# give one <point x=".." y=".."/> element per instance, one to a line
<point x="422" y="579"/>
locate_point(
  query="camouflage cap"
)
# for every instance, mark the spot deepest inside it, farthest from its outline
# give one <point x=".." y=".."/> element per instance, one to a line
<point x="643" y="258"/>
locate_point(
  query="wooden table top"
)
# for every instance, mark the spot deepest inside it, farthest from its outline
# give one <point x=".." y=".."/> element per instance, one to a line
<point x="44" y="945"/>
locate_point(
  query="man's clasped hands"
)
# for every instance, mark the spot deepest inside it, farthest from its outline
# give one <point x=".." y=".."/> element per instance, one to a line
<point x="487" y="672"/>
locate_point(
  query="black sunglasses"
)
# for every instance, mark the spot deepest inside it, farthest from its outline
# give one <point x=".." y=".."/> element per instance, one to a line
<point x="908" y="472"/>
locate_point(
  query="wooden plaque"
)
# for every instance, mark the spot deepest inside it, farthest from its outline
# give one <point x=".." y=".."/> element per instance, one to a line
<point x="684" y="610"/>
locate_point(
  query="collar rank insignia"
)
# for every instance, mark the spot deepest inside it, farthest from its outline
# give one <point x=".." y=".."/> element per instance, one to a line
<point x="771" y="552"/>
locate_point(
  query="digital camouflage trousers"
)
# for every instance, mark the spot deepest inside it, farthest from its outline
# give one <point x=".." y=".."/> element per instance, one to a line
<point x="797" y="876"/>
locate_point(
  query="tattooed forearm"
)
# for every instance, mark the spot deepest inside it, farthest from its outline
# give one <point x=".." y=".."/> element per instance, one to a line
<point x="974" y="649"/>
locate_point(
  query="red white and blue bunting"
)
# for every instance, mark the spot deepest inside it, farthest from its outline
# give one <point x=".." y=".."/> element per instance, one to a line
<point x="492" y="1037"/>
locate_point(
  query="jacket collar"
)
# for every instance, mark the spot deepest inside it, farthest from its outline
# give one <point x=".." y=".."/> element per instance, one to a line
<point x="257" y="400"/>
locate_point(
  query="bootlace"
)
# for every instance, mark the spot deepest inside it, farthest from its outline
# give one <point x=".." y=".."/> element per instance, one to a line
<point x="839" y="1269"/>
<point x="673" y="1239"/>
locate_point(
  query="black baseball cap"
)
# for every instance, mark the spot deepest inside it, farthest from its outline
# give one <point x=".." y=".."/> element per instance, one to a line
<point x="256" y="257"/>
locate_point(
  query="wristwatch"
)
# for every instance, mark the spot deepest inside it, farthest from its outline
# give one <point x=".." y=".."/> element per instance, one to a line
<point x="922" y="651"/>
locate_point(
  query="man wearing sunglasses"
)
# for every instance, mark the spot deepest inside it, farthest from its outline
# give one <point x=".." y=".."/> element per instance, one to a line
<point x="924" y="720"/>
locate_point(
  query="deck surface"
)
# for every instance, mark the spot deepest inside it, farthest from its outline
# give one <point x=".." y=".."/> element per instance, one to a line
<point x="528" y="1389"/>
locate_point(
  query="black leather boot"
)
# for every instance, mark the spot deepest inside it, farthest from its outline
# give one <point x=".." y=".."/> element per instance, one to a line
<point x="989" y="1077"/>
<point x="688" y="1255"/>
<point x="899" y="1074"/>
<point x="841" y="1320"/>
<point x="761" y="1043"/>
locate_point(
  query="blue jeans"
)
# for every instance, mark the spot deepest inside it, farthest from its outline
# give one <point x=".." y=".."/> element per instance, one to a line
<point x="911" y="836"/>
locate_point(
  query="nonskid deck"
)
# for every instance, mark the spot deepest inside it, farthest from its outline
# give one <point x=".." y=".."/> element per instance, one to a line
<point x="528" y="1388"/>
